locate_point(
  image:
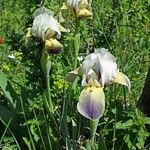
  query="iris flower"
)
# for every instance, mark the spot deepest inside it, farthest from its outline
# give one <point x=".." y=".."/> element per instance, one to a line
<point x="81" y="8"/>
<point x="98" y="69"/>
<point x="47" y="28"/>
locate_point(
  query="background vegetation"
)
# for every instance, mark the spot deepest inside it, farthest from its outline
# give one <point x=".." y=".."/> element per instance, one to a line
<point x="123" y="27"/>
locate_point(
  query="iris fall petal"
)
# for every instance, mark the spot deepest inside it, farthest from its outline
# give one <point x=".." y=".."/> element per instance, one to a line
<point x="52" y="46"/>
<point x="92" y="102"/>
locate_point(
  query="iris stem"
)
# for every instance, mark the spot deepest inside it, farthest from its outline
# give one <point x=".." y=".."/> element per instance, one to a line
<point x="76" y="43"/>
<point x="93" y="126"/>
<point x="46" y="66"/>
<point x="49" y="94"/>
<point x="76" y="47"/>
<point x="114" y="128"/>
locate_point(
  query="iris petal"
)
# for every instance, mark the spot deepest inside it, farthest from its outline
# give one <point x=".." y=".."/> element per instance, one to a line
<point x="91" y="102"/>
<point x="83" y="4"/>
<point x="42" y="23"/>
<point x="52" y="46"/>
<point x="73" y="3"/>
<point x="71" y="76"/>
<point x="42" y="10"/>
<point x="122" y="79"/>
<point x="90" y="75"/>
<point x="108" y="66"/>
<point x="83" y="13"/>
<point x="89" y="62"/>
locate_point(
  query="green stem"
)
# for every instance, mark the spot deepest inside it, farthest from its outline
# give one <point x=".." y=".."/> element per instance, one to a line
<point x="47" y="130"/>
<point x="46" y="66"/>
<point x="101" y="142"/>
<point x="29" y="132"/>
<point x="49" y="94"/>
<point x="90" y="143"/>
<point x="64" y="125"/>
<point x="77" y="21"/>
<point x="114" y="128"/>
<point x="40" y="132"/>
<point x="76" y="47"/>
<point x="76" y="42"/>
<point x="93" y="126"/>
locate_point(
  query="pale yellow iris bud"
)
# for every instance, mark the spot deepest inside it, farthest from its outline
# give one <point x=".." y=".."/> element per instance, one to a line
<point x="47" y="28"/>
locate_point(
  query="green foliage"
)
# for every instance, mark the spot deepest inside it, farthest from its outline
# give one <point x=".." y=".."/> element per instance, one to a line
<point x="26" y="120"/>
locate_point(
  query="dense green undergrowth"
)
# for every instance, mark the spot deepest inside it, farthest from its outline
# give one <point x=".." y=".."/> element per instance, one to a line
<point x="123" y="27"/>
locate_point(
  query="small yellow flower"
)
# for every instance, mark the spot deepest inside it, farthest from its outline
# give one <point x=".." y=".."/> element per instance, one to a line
<point x="64" y="7"/>
<point x="60" y="84"/>
<point x="6" y="68"/>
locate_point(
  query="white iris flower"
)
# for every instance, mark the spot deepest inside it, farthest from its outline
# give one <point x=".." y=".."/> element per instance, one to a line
<point x="98" y="69"/>
<point x="81" y="8"/>
<point x="103" y="63"/>
<point x="45" y="25"/>
<point x="47" y="28"/>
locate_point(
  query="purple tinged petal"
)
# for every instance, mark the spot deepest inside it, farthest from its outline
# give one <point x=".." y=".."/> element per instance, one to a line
<point x="91" y="102"/>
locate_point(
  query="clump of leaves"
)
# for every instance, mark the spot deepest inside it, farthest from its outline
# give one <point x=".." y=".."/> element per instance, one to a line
<point x="135" y="130"/>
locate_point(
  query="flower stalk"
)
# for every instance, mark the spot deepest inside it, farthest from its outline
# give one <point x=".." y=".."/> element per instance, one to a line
<point x="46" y="28"/>
<point x="93" y="126"/>
<point x="46" y="66"/>
<point x="76" y="47"/>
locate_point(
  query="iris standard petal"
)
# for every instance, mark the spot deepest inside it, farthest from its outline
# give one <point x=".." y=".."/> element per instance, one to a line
<point x="107" y="63"/>
<point x="54" y="25"/>
<point x="83" y="4"/>
<point x="91" y="102"/>
<point x="122" y="79"/>
<point x="42" y="10"/>
<point x="89" y="62"/>
<point x="90" y="75"/>
<point x="73" y="3"/>
<point x="42" y="23"/>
